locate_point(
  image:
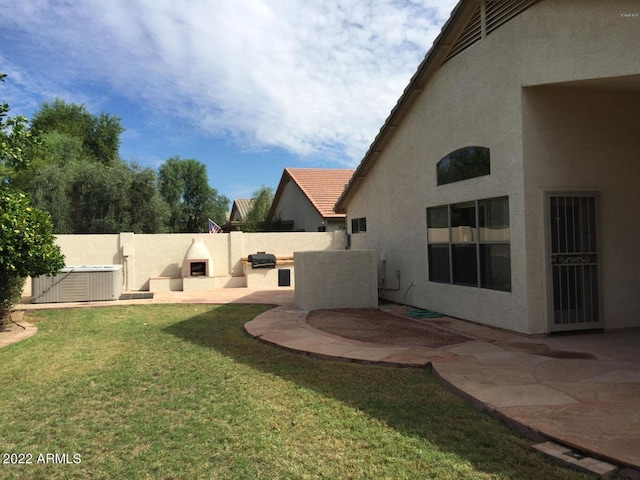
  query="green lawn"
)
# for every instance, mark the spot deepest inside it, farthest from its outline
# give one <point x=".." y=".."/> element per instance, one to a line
<point x="182" y="392"/>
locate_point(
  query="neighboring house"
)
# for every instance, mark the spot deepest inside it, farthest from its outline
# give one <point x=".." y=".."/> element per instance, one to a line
<point x="241" y="207"/>
<point x="239" y="210"/>
<point x="502" y="188"/>
<point x="305" y="198"/>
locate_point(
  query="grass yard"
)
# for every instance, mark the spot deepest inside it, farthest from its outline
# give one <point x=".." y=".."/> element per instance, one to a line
<point x="182" y="392"/>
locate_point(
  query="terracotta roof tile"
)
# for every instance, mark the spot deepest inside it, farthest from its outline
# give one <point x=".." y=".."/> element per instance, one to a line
<point x="322" y="186"/>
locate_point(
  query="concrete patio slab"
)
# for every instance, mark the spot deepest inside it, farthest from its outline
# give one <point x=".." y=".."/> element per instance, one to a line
<point x="524" y="395"/>
<point x="588" y="401"/>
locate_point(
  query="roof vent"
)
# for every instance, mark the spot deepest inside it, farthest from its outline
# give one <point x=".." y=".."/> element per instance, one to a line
<point x="488" y="17"/>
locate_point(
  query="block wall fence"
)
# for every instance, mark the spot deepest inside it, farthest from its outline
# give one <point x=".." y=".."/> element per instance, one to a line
<point x="147" y="256"/>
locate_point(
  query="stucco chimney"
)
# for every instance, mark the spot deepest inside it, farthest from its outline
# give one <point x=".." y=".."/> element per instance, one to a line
<point x="196" y="256"/>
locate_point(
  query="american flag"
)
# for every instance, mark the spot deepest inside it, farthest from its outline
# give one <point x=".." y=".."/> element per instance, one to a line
<point x="214" y="227"/>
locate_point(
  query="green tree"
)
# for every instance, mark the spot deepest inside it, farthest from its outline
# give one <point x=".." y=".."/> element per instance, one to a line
<point x="77" y="175"/>
<point x="149" y="212"/>
<point x="99" y="135"/>
<point x="49" y="187"/>
<point x="257" y="218"/>
<point x="89" y="197"/>
<point x="99" y="198"/>
<point x="15" y="139"/>
<point x="51" y="161"/>
<point x="184" y="185"/>
<point x="27" y="244"/>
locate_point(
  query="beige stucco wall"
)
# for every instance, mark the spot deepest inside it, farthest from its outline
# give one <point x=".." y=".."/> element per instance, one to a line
<point x="336" y="279"/>
<point x="161" y="255"/>
<point x="586" y="139"/>
<point x="475" y="99"/>
<point x="148" y="256"/>
<point x="90" y="249"/>
<point x="294" y="205"/>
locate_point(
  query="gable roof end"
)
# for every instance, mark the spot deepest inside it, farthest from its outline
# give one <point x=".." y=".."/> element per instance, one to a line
<point x="321" y="186"/>
<point x="462" y="29"/>
<point x="242" y="206"/>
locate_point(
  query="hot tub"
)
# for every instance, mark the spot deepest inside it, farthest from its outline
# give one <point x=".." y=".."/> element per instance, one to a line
<point x="80" y="283"/>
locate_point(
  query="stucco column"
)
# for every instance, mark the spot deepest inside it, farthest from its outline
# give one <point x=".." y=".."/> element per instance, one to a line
<point x="236" y="247"/>
<point x="127" y="258"/>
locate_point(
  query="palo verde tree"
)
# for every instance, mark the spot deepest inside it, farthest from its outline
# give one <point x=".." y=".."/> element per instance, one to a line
<point x="27" y="246"/>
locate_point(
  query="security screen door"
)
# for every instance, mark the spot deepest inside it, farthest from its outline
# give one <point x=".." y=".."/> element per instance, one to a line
<point x="574" y="262"/>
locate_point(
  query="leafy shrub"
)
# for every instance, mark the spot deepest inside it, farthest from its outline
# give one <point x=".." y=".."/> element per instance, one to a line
<point x="27" y="246"/>
<point x="10" y="291"/>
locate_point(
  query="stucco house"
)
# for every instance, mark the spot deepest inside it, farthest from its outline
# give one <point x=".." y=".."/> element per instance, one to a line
<point x="239" y="210"/>
<point x="305" y="199"/>
<point x="502" y="187"/>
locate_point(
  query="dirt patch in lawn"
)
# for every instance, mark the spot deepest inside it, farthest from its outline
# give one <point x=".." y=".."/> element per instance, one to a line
<point x="375" y="326"/>
<point x="14" y="329"/>
<point x="8" y="328"/>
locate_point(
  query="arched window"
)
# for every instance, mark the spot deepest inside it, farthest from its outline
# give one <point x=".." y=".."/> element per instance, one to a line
<point x="463" y="164"/>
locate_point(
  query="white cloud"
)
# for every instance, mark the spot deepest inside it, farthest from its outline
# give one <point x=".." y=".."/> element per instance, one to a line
<point x="311" y="76"/>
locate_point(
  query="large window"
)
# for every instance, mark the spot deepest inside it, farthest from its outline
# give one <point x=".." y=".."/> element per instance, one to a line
<point x="463" y="164"/>
<point x="469" y="244"/>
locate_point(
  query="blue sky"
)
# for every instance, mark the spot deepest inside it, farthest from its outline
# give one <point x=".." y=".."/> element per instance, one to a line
<point x="248" y="87"/>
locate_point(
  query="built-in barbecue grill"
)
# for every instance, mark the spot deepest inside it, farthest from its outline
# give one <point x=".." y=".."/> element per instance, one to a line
<point x="262" y="260"/>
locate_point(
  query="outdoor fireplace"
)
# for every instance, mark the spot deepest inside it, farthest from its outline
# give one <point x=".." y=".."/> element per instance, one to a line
<point x="197" y="261"/>
<point x="197" y="269"/>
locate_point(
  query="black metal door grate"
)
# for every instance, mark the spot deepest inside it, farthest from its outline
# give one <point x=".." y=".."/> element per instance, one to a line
<point x="574" y="262"/>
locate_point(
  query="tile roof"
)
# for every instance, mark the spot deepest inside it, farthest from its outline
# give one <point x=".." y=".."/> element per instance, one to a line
<point x="322" y="186"/>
